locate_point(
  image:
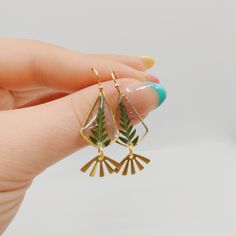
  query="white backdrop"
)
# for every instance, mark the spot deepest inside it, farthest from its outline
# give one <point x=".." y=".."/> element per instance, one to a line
<point x="189" y="187"/>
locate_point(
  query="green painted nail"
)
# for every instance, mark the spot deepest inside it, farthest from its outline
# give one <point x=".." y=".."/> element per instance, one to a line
<point x="160" y="91"/>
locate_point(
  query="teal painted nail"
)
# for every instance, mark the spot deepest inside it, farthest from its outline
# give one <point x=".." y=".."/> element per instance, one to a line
<point x="160" y="91"/>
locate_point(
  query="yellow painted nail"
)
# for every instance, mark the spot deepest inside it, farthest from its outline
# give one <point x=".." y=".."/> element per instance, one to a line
<point x="148" y="62"/>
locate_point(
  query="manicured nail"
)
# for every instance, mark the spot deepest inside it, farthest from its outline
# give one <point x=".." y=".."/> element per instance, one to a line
<point x="148" y="62"/>
<point x="161" y="92"/>
<point x="153" y="78"/>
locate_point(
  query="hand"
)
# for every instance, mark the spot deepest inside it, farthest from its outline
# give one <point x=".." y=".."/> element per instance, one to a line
<point x="45" y="95"/>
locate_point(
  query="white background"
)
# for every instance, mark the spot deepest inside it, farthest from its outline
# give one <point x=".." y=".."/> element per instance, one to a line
<point x="189" y="187"/>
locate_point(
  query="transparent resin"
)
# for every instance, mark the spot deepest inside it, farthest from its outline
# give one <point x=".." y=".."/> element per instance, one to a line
<point x="130" y="124"/>
<point x="100" y="128"/>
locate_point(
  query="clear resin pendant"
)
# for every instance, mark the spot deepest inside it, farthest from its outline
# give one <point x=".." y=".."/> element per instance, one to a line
<point x="100" y="128"/>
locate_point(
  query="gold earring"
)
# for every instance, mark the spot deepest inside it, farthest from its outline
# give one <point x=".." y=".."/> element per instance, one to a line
<point x="100" y="130"/>
<point x="128" y="137"/>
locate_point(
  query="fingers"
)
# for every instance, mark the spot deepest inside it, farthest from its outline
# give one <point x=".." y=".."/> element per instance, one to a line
<point x="139" y="63"/>
<point x="36" y="137"/>
<point x="27" y="63"/>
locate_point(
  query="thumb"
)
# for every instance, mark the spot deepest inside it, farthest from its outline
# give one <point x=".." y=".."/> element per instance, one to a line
<point x="36" y="137"/>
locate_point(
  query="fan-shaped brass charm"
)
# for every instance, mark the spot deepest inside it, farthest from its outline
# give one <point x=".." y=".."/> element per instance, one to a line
<point x="101" y="162"/>
<point x="130" y="161"/>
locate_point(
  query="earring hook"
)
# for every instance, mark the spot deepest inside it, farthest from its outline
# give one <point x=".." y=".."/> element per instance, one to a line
<point x="99" y="81"/>
<point x="115" y="78"/>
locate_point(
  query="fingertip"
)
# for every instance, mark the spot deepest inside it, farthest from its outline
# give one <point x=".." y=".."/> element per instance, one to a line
<point x="148" y="62"/>
<point x="160" y="90"/>
<point x="153" y="78"/>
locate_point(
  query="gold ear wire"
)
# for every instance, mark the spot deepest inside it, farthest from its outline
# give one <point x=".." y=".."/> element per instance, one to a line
<point x="115" y="78"/>
<point x="127" y="131"/>
<point x="99" y="81"/>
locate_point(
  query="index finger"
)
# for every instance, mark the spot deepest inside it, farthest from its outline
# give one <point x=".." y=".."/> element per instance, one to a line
<point x="28" y="63"/>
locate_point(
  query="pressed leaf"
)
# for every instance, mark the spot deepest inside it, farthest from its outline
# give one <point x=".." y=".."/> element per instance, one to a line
<point x="132" y="134"/>
<point x="99" y="131"/>
<point x="128" y="122"/>
<point x="123" y="132"/>
<point x="95" y="133"/>
<point x="129" y="129"/>
<point x="123" y="126"/>
<point x="104" y="137"/>
<point x="93" y="140"/>
<point x="106" y="143"/>
<point x="134" y="142"/>
<point x="123" y="119"/>
<point x="102" y="119"/>
<point x="124" y="140"/>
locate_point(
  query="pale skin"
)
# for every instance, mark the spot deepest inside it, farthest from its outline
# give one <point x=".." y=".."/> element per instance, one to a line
<point x="45" y="94"/>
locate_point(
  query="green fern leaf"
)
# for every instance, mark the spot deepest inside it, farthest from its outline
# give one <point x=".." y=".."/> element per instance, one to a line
<point x="127" y="129"/>
<point x="132" y="134"/>
<point x="94" y="140"/>
<point x="106" y="143"/>
<point x="134" y="142"/>
<point x="98" y="133"/>
<point x="124" y="140"/>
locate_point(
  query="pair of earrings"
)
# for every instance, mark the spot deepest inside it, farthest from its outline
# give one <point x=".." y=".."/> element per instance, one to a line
<point x="102" y="127"/>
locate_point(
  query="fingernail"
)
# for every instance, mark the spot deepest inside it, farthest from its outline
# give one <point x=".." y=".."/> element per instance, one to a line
<point x="148" y="62"/>
<point x="161" y="92"/>
<point x="153" y="78"/>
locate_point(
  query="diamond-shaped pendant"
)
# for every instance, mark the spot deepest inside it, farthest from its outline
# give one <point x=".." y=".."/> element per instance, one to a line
<point x="100" y="128"/>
